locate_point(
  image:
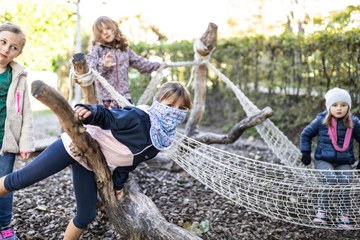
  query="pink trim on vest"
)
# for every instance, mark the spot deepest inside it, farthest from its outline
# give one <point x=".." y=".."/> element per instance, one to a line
<point x="116" y="153"/>
<point x="18" y="101"/>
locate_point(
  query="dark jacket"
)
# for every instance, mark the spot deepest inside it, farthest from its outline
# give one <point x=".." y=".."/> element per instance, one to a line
<point x="324" y="149"/>
<point x="131" y="127"/>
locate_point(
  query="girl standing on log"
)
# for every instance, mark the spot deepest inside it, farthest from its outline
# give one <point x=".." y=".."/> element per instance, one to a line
<point x="111" y="56"/>
<point x="126" y="137"/>
<point x="16" y="128"/>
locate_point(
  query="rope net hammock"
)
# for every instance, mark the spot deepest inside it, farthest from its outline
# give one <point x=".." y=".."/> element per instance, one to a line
<point x="287" y="191"/>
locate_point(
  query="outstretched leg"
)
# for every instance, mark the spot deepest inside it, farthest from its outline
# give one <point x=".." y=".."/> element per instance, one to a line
<point x="3" y="191"/>
<point x="52" y="160"/>
<point x="86" y="198"/>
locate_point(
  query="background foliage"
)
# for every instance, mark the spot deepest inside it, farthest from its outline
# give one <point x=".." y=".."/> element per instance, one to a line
<point x="288" y="72"/>
<point x="49" y="27"/>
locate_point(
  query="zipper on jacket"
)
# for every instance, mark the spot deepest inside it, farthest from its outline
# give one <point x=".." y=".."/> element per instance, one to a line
<point x="18" y="99"/>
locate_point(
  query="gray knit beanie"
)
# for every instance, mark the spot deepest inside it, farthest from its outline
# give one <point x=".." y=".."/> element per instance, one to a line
<point x="337" y="95"/>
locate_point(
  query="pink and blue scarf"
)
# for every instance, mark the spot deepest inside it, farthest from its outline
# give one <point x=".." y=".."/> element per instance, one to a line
<point x="164" y="120"/>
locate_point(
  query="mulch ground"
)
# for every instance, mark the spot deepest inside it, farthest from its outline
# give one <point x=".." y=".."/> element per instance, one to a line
<point x="43" y="210"/>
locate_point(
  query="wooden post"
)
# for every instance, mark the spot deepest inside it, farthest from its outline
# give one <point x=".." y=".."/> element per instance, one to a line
<point x="202" y="48"/>
<point x="81" y="67"/>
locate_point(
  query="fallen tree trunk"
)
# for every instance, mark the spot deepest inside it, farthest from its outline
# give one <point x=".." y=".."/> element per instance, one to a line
<point x="136" y="217"/>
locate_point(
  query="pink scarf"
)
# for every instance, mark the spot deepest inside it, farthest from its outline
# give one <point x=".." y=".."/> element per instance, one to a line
<point x="333" y="136"/>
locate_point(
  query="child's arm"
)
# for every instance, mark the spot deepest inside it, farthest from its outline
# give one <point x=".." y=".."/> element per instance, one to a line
<point x="120" y="176"/>
<point x="96" y="59"/>
<point x="102" y="117"/>
<point x="356" y="134"/>
<point x="26" y="141"/>
<point x="309" y="132"/>
<point x="143" y="65"/>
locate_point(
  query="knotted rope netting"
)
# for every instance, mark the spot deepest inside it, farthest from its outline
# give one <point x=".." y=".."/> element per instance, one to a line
<point x="288" y="192"/>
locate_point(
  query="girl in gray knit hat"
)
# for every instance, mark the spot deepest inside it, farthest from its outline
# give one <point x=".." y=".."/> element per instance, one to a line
<point x="335" y="129"/>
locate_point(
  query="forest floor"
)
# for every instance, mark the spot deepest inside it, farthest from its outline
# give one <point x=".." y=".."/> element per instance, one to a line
<point x="43" y="210"/>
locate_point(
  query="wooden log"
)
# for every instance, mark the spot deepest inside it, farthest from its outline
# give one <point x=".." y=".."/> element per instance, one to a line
<point x="202" y="47"/>
<point x="81" y="68"/>
<point x="198" y="107"/>
<point x="136" y="217"/>
<point x="209" y="39"/>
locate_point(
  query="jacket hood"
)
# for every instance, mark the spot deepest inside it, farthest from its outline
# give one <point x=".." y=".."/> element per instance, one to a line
<point x="17" y="69"/>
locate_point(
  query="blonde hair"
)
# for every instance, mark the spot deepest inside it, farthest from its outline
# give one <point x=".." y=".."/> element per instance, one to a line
<point x="176" y="93"/>
<point x="10" y="27"/>
<point x="347" y="119"/>
<point x="119" y="42"/>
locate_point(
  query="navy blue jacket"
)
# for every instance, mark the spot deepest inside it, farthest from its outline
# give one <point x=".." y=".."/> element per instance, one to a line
<point x="324" y="149"/>
<point x="131" y="127"/>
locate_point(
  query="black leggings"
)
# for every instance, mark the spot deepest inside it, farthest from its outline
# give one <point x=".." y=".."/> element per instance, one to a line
<point x="52" y="160"/>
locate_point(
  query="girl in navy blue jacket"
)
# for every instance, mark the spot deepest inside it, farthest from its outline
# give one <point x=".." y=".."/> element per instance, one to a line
<point x="126" y="137"/>
<point x="335" y="130"/>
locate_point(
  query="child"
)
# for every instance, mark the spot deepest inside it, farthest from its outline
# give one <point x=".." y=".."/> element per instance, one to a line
<point x="126" y="137"/>
<point x="111" y="56"/>
<point x="335" y="129"/>
<point x="16" y="129"/>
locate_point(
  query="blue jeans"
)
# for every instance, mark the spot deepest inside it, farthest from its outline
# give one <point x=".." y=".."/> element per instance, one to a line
<point x="330" y="178"/>
<point x="52" y="160"/>
<point x="6" y="166"/>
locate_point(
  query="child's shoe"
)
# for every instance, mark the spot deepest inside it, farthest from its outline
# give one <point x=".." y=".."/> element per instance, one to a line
<point x="7" y="233"/>
<point x="321" y="217"/>
<point x="344" y="221"/>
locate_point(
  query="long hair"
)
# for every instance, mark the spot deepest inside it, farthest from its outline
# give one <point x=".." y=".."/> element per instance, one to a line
<point x="10" y="27"/>
<point x="347" y="119"/>
<point x="120" y="41"/>
<point x="175" y="92"/>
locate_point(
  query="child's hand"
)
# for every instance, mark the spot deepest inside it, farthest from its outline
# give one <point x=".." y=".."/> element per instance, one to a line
<point x="108" y="60"/>
<point x="306" y="158"/>
<point x="24" y="156"/>
<point x="119" y="194"/>
<point x="81" y="112"/>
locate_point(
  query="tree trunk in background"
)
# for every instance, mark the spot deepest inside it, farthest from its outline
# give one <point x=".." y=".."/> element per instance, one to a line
<point x="203" y="48"/>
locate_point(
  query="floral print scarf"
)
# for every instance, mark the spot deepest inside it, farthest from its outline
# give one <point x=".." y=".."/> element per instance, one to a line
<point x="164" y="120"/>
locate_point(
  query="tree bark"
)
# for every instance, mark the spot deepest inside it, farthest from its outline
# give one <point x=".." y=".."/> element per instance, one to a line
<point x="136" y="217"/>
<point x="202" y="48"/>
